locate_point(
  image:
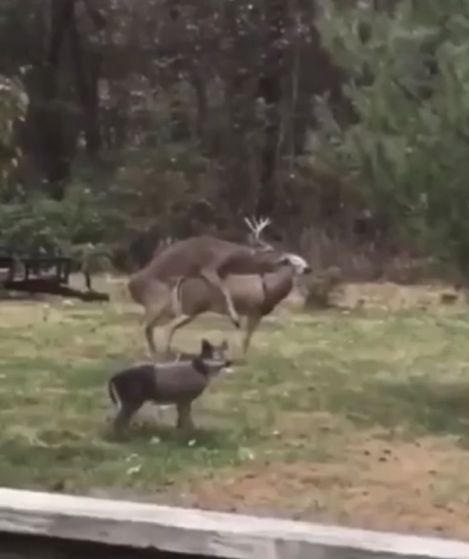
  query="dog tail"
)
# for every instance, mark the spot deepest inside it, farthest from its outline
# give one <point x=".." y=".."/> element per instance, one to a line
<point x="113" y="393"/>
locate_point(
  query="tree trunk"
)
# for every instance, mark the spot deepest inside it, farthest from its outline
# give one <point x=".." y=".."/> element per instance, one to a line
<point x="238" y="147"/>
<point x="87" y="86"/>
<point x="271" y="90"/>
<point x="55" y="157"/>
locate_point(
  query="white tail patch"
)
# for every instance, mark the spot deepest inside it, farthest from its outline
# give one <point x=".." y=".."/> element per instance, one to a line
<point x="176" y="305"/>
<point x="116" y="400"/>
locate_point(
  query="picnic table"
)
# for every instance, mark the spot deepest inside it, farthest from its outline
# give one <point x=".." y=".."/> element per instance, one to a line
<point x="42" y="273"/>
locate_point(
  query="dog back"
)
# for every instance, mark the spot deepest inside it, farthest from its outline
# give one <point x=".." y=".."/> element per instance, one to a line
<point x="178" y="381"/>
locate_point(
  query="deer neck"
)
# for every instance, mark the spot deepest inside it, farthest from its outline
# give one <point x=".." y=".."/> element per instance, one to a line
<point x="276" y="286"/>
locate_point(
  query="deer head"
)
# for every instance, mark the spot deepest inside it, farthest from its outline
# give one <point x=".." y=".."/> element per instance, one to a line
<point x="299" y="264"/>
<point x="256" y="227"/>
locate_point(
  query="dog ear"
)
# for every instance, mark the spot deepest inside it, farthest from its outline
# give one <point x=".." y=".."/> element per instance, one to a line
<point x="206" y="347"/>
<point x="224" y="344"/>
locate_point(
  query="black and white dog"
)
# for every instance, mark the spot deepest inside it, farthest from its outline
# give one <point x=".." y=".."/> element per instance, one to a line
<point x="177" y="382"/>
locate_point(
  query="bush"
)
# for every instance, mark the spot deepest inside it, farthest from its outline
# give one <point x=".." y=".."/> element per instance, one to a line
<point x="320" y="288"/>
<point x="13" y="105"/>
<point x="40" y="225"/>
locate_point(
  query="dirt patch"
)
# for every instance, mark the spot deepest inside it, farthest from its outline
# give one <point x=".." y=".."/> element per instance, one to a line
<point x="392" y="296"/>
<point x="401" y="486"/>
<point x="382" y="295"/>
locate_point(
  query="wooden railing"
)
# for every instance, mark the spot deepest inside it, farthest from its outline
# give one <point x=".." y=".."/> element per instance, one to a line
<point x="34" y="524"/>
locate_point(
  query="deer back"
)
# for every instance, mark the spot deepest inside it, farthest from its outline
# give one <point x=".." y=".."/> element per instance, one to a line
<point x="250" y="261"/>
<point x="188" y="256"/>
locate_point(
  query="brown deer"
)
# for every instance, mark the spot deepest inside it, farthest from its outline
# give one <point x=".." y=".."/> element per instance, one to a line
<point x="253" y="296"/>
<point x="209" y="258"/>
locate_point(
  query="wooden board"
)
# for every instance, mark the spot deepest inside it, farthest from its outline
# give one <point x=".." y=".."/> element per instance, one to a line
<point x="190" y="531"/>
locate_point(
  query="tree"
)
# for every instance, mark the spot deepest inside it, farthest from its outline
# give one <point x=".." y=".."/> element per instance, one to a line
<point x="409" y="88"/>
<point x="13" y="106"/>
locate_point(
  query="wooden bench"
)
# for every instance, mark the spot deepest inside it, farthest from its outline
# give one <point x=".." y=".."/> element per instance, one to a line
<point x="43" y="274"/>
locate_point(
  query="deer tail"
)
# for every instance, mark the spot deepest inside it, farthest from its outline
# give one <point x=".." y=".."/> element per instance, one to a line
<point x="176" y="297"/>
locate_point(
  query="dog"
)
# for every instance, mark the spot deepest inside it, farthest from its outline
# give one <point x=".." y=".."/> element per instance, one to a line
<point x="176" y="382"/>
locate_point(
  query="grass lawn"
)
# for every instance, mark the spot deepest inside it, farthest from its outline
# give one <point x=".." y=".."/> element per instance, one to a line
<point x="359" y="418"/>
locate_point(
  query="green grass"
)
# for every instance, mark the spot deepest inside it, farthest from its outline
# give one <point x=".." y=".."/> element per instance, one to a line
<point x="407" y="372"/>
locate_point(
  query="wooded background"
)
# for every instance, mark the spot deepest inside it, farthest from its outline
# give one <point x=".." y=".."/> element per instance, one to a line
<point x="122" y="123"/>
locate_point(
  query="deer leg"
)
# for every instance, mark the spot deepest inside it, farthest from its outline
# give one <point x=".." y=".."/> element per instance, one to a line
<point x="216" y="281"/>
<point x="152" y="317"/>
<point x="251" y="324"/>
<point x="184" y="420"/>
<point x="149" y="329"/>
<point x="174" y="325"/>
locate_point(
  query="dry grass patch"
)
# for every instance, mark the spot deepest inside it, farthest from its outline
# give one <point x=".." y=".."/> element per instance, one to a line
<point x="377" y="484"/>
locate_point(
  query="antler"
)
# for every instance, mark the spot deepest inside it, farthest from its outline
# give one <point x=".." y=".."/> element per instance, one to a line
<point x="257" y="226"/>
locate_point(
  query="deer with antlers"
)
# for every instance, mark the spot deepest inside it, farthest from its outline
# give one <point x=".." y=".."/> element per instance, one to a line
<point x="202" y="273"/>
<point x="253" y="297"/>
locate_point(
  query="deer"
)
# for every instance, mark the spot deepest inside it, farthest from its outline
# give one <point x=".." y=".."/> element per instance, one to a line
<point x="209" y="258"/>
<point x="254" y="297"/>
